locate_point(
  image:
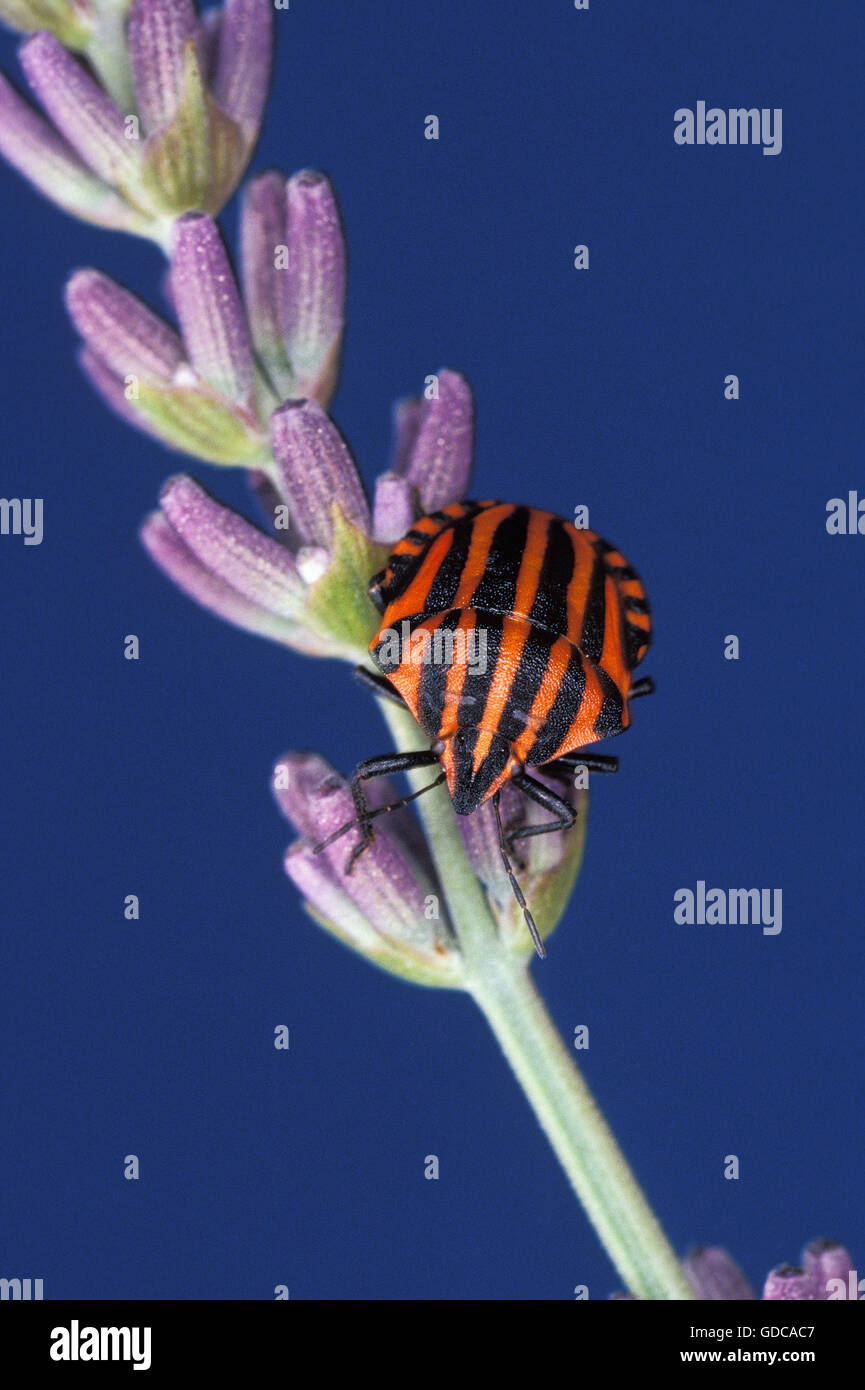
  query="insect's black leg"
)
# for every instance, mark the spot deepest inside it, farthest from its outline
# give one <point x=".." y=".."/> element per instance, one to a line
<point x="592" y="762"/>
<point x="375" y="591"/>
<point x="517" y="890"/>
<point x="550" y="801"/>
<point x="379" y="767"/>
<point x="379" y="685"/>
<point x="644" y="686"/>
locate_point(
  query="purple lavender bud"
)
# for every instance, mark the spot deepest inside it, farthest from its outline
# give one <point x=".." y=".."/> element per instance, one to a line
<point x="406" y="418"/>
<point x="255" y="566"/>
<point x="313" y="296"/>
<point x="299" y="778"/>
<point x="315" y="470"/>
<point x="177" y="561"/>
<point x="790" y="1282"/>
<point x="209" y="307"/>
<point x="263" y="246"/>
<point x="35" y="149"/>
<point x="112" y="389"/>
<point x="394" y="509"/>
<point x="299" y="775"/>
<point x="386" y="908"/>
<point x="714" y="1275"/>
<point x="440" y="459"/>
<point x="243" y="68"/>
<point x="825" y="1260"/>
<point x="481" y="840"/>
<point x="271" y="504"/>
<point x="117" y="327"/>
<point x="158" y="32"/>
<point x="80" y="109"/>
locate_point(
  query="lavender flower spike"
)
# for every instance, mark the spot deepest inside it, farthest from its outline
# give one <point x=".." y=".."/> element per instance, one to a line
<point x="81" y="111"/>
<point x="431" y="458"/>
<point x="34" y="148"/>
<point x="790" y="1282"/>
<point x="209" y="308"/>
<point x="826" y="1273"/>
<point x="315" y="286"/>
<point x="830" y="1266"/>
<point x="714" y="1275"/>
<point x="293" y="259"/>
<point x="167" y="549"/>
<point x="162" y="139"/>
<point x="256" y="567"/>
<point x="255" y="581"/>
<point x="146" y="373"/>
<point x="159" y="31"/>
<point x="316" y="470"/>
<point x="264" y="265"/>
<point x="120" y="330"/>
<point x="388" y="908"/>
<point x="243" y="63"/>
<point x="437" y="440"/>
<point x="395" y="507"/>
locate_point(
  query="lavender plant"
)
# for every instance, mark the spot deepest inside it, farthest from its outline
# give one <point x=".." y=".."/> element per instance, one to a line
<point x="157" y="116"/>
<point x="150" y="117"/>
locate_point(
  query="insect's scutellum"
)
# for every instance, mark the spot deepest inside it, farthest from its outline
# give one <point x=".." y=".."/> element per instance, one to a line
<point x="511" y="635"/>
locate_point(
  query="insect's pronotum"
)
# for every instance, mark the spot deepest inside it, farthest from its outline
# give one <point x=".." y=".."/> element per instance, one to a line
<point x="565" y="621"/>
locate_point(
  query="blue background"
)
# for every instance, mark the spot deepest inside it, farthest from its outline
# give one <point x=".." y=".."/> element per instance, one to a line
<point x="305" y="1168"/>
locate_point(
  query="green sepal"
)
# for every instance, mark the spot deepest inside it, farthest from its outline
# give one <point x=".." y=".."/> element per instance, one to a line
<point x="193" y="162"/>
<point x="201" y="425"/>
<point x="445" y="972"/>
<point x="338" y="602"/>
<point x="59" y="17"/>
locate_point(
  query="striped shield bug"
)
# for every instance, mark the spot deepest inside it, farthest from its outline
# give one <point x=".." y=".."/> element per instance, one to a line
<point x="512" y="637"/>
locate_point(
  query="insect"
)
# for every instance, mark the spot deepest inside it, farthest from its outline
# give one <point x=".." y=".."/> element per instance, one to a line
<point x="561" y="620"/>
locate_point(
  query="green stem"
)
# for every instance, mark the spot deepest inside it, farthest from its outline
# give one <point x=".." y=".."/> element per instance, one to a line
<point x="583" y="1142"/>
<point x="467" y="903"/>
<point x="565" y="1108"/>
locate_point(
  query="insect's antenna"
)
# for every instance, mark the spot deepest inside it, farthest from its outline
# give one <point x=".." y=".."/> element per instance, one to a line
<point x="380" y="811"/>
<point x="518" y="892"/>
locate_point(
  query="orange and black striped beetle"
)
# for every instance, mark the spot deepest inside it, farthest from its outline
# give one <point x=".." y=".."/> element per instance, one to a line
<point x="564" y="621"/>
